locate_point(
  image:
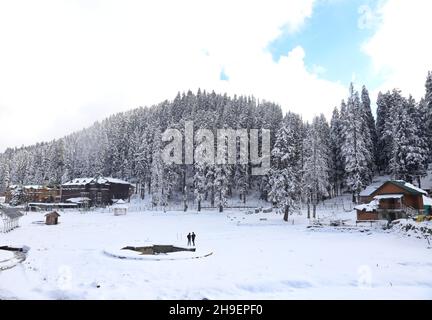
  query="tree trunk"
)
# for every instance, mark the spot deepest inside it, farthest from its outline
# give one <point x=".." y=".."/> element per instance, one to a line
<point x="199" y="205"/>
<point x="244" y="197"/>
<point x="353" y="198"/>
<point x="308" y="210"/>
<point x="286" y="213"/>
<point x="212" y="197"/>
<point x="220" y="208"/>
<point x="142" y="191"/>
<point x="314" y="210"/>
<point x="419" y="181"/>
<point x="185" y="199"/>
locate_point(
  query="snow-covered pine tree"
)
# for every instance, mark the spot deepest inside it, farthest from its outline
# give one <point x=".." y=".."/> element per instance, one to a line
<point x="384" y="140"/>
<point x="427" y="105"/>
<point x="417" y="160"/>
<point x="159" y="195"/>
<point x="285" y="175"/>
<point x="222" y="173"/>
<point x="4" y="174"/>
<point x="409" y="146"/>
<point x="337" y="162"/>
<point x="316" y="166"/>
<point x="142" y="159"/>
<point x="354" y="147"/>
<point x="369" y="128"/>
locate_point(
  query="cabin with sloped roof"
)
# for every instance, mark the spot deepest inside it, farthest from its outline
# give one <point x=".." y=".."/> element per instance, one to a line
<point x="394" y="199"/>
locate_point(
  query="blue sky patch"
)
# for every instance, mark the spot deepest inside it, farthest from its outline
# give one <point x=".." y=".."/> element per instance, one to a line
<point x="332" y="42"/>
<point x="223" y="76"/>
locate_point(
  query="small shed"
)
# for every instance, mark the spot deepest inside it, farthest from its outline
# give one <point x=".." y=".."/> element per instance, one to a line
<point x="52" y="218"/>
<point x="9" y="219"/>
<point x="120" y="208"/>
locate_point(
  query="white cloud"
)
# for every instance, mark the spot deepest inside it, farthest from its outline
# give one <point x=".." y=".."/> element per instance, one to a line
<point x="400" y="49"/>
<point x="65" y="64"/>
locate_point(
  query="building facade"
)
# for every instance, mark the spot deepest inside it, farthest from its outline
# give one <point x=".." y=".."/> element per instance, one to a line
<point x="101" y="191"/>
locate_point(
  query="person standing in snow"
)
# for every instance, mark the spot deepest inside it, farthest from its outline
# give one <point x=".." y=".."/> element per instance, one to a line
<point x="189" y="239"/>
<point x="193" y="238"/>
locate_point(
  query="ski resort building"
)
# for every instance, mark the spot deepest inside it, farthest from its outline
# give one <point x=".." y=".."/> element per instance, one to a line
<point x="100" y="191"/>
<point x="31" y="193"/>
<point x="394" y="199"/>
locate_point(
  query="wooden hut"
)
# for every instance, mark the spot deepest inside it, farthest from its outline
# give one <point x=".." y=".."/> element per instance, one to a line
<point x="52" y="218"/>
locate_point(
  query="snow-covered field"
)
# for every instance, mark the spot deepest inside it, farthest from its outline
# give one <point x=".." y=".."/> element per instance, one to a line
<point x="252" y="259"/>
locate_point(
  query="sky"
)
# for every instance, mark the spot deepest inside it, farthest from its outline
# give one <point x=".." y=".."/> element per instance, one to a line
<point x="65" y="64"/>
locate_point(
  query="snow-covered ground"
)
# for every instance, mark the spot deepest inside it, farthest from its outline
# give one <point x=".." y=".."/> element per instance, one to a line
<point x="252" y="258"/>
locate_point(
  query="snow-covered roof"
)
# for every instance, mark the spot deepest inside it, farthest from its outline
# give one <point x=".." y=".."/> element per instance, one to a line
<point x="78" y="182"/>
<point x="120" y="204"/>
<point x="410" y="186"/>
<point x="11" y="213"/>
<point x="101" y="180"/>
<point x="368" y="191"/>
<point x="111" y="180"/>
<point x="368" y="207"/>
<point x="36" y="187"/>
<point x="427" y="201"/>
<point x="388" y="196"/>
<point x="57" y="204"/>
<point x="78" y="200"/>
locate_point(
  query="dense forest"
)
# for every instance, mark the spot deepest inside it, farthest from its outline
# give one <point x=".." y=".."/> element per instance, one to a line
<point x="309" y="160"/>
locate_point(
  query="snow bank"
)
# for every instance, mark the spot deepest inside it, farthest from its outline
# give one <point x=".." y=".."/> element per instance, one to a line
<point x="410" y="228"/>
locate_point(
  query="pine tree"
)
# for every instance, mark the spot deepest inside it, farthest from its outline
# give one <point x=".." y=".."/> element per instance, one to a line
<point x="284" y="176"/>
<point x="221" y="186"/>
<point x="384" y="140"/>
<point x="316" y="167"/>
<point x="427" y="105"/>
<point x="159" y="195"/>
<point x="408" y="161"/>
<point x="354" y="147"/>
<point x="337" y="161"/>
<point x="369" y="129"/>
